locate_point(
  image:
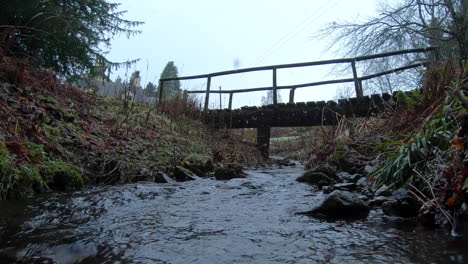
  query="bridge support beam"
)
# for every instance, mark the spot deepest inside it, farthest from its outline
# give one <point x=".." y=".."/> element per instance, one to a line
<point x="263" y="140"/>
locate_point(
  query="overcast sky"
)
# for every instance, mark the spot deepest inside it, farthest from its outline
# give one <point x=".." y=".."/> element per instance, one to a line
<point x="207" y="36"/>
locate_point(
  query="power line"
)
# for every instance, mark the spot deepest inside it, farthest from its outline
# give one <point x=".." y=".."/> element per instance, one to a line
<point x="298" y="29"/>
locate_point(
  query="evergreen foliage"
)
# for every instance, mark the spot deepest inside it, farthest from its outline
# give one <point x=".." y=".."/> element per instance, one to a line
<point x="150" y="90"/>
<point x="171" y="88"/>
<point x="68" y="36"/>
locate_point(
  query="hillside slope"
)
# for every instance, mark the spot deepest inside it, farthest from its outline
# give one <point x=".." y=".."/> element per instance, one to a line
<point x="56" y="137"/>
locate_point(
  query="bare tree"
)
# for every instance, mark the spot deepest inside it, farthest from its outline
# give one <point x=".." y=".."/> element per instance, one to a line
<point x="404" y="24"/>
<point x="268" y="99"/>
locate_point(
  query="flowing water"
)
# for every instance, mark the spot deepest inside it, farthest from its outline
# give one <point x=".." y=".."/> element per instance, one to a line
<point x="250" y="220"/>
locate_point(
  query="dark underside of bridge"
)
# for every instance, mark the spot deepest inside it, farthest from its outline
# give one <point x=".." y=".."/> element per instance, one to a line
<point x="297" y="114"/>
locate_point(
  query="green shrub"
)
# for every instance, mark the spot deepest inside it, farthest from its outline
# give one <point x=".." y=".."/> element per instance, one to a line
<point x="21" y="182"/>
<point x="404" y="165"/>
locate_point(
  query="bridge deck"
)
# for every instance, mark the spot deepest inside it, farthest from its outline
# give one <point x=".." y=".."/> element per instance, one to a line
<point x="299" y="114"/>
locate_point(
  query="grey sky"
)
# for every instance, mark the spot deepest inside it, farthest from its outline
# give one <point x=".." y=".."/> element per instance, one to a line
<point x="211" y="35"/>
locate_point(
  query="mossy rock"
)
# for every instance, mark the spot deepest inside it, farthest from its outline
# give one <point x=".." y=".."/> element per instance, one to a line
<point x="321" y="175"/>
<point x="28" y="181"/>
<point x="62" y="175"/>
<point x="327" y="170"/>
<point x="18" y="183"/>
<point x="200" y="162"/>
<point x="227" y="173"/>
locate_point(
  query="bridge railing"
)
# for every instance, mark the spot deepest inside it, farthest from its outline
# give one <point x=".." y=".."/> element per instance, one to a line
<point x="274" y="68"/>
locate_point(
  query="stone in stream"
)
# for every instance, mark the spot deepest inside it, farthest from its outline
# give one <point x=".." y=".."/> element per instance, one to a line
<point x="344" y="176"/>
<point x="340" y="204"/>
<point x="362" y="182"/>
<point x="183" y="174"/>
<point x="227" y="173"/>
<point x="348" y="186"/>
<point x="322" y="175"/>
<point x="384" y="190"/>
<point x="402" y="204"/>
<point x="161" y="177"/>
<point x="378" y="201"/>
<point x="349" y="178"/>
<point x="368" y="169"/>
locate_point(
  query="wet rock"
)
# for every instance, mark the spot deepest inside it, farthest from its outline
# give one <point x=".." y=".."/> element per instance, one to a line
<point x="401" y="193"/>
<point x="317" y="178"/>
<point x="369" y="169"/>
<point x="402" y="207"/>
<point x="356" y="177"/>
<point x="321" y="176"/>
<point x="384" y="190"/>
<point x="328" y="170"/>
<point x="366" y="192"/>
<point x="363" y="197"/>
<point x="362" y="182"/>
<point x="327" y="189"/>
<point x="227" y="173"/>
<point x="182" y="174"/>
<point x="344" y="176"/>
<point x="251" y="186"/>
<point x="345" y="186"/>
<point x="427" y="218"/>
<point x="160" y="177"/>
<point x="340" y="204"/>
<point x="347" y="177"/>
<point x="378" y="201"/>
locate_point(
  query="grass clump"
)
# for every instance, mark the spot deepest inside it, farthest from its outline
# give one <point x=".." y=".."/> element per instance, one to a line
<point x="28" y="181"/>
<point x="6" y="171"/>
<point x="62" y="175"/>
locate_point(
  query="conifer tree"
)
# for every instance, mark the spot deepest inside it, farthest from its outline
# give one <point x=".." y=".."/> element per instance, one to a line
<point x="68" y="36"/>
<point x="171" y="88"/>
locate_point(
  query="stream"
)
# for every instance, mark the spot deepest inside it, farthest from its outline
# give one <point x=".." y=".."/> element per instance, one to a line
<point x="249" y="220"/>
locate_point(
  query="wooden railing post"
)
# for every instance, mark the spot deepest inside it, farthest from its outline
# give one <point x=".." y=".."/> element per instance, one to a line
<point x="275" y="91"/>
<point x="220" y="102"/>
<point x="230" y="100"/>
<point x="161" y="89"/>
<point x="357" y="86"/>
<point x="207" y="96"/>
<point x="291" y="95"/>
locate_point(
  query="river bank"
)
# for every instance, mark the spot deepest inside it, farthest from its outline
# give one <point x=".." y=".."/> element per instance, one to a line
<point x="55" y="137"/>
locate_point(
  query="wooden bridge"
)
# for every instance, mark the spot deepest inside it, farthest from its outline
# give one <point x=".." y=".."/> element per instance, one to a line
<point x="296" y="114"/>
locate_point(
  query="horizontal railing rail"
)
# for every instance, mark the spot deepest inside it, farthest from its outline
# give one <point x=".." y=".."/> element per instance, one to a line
<point x="356" y="79"/>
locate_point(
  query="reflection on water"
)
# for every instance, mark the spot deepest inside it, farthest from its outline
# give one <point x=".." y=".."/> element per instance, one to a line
<point x="249" y="220"/>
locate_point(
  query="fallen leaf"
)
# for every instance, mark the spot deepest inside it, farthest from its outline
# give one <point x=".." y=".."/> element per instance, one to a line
<point x="17" y="148"/>
<point x="36" y="129"/>
<point x="458" y="143"/>
<point x="451" y="201"/>
<point x="464" y="172"/>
